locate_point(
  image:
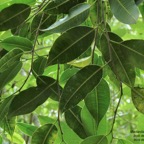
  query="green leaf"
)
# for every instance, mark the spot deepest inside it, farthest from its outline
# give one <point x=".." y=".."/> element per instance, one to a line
<point x="9" y="74"/>
<point x="16" y="42"/>
<point x="28" y="100"/>
<point x="61" y="6"/>
<point x="138" y="98"/>
<point x="45" y="19"/>
<point x="9" y="59"/>
<point x="13" y="16"/>
<point x="79" y="85"/>
<point x="55" y="89"/>
<point x="39" y="65"/>
<point x="89" y="122"/>
<point x="125" y="11"/>
<point x="117" y="58"/>
<point x="1" y="140"/>
<point x="138" y="1"/>
<point x="46" y="134"/>
<point x="71" y="44"/>
<point x="26" y="128"/>
<point x="95" y="140"/>
<point x="123" y="141"/>
<point x="4" y="107"/>
<point x="73" y="120"/>
<point x="98" y="100"/>
<point x="76" y="16"/>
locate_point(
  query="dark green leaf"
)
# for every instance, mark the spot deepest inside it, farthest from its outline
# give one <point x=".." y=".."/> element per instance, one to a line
<point x="39" y="66"/>
<point x="125" y="11"/>
<point x="61" y="6"/>
<point x="28" y="100"/>
<point x="117" y="58"/>
<point x="55" y="89"/>
<point x="79" y="85"/>
<point x="26" y="128"/>
<point x="98" y="100"/>
<point x="9" y="59"/>
<point x="13" y="16"/>
<point x="71" y="44"/>
<point x="76" y="16"/>
<point x="89" y="122"/>
<point x="138" y="98"/>
<point x="16" y="42"/>
<point x="73" y="120"/>
<point x="138" y="1"/>
<point x="7" y="75"/>
<point x="95" y="140"/>
<point x="46" y="134"/>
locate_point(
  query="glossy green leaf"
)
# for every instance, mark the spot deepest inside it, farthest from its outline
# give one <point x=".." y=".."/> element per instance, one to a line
<point x="71" y="44"/>
<point x="9" y="59"/>
<point x="98" y="100"/>
<point x="138" y="98"/>
<point x="26" y="128"/>
<point x="39" y="65"/>
<point x="123" y="141"/>
<point x="76" y="16"/>
<point x="61" y="6"/>
<point x="79" y="85"/>
<point x="125" y="11"/>
<point x="45" y="19"/>
<point x="95" y="140"/>
<point x="13" y="16"/>
<point x="73" y="120"/>
<point x="89" y="122"/>
<point x="16" y="42"/>
<point x="8" y="75"/>
<point x="28" y="100"/>
<point x="55" y="89"/>
<point x="46" y="134"/>
<point x="4" y="107"/>
<point x="117" y="58"/>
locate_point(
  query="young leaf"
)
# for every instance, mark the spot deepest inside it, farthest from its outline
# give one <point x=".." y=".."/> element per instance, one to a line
<point x="55" y="89"/>
<point x="73" y="120"/>
<point x="61" y="6"/>
<point x="7" y="75"/>
<point x="26" y="128"/>
<point x="76" y="16"/>
<point x="97" y="101"/>
<point x="125" y="11"/>
<point x="89" y="122"/>
<point x="112" y="51"/>
<point x="79" y="85"/>
<point x="46" y="134"/>
<point x="138" y="98"/>
<point x="71" y="44"/>
<point x="95" y="140"/>
<point x="16" y="42"/>
<point x="39" y="66"/>
<point x="28" y="100"/>
<point x="13" y="16"/>
<point x="9" y="59"/>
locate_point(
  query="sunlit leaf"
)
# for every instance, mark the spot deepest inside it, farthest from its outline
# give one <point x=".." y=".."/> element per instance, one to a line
<point x="123" y="141"/>
<point x="16" y="42"/>
<point x="125" y="11"/>
<point x="71" y="44"/>
<point x="76" y="16"/>
<point x="46" y="134"/>
<point x="138" y="98"/>
<point x="95" y="140"/>
<point x="13" y="16"/>
<point x="79" y="85"/>
<point x="26" y="128"/>
<point x="97" y="101"/>
<point x="8" y="59"/>
<point x="73" y="120"/>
